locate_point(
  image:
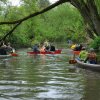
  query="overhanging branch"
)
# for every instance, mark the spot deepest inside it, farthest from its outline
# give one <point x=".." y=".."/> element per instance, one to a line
<point x="10" y="32"/>
<point x="36" y="13"/>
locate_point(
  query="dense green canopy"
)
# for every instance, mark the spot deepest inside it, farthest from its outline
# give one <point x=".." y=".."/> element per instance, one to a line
<point x="74" y="19"/>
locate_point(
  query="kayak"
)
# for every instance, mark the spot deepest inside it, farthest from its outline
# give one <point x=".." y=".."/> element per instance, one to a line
<point x="46" y="52"/>
<point x="94" y="67"/>
<point x="7" y="56"/>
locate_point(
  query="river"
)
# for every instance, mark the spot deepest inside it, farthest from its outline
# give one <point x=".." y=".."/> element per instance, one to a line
<point x="39" y="77"/>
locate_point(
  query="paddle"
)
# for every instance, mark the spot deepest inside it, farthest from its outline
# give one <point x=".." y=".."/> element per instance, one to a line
<point x="72" y="61"/>
<point x="14" y="54"/>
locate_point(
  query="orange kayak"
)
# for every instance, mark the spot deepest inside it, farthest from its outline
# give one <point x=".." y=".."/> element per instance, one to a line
<point x="76" y="52"/>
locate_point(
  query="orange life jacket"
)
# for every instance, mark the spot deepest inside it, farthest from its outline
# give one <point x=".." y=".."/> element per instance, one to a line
<point x="42" y="49"/>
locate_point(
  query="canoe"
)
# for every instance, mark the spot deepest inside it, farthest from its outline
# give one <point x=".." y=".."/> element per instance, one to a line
<point x="94" y="67"/>
<point x="46" y="52"/>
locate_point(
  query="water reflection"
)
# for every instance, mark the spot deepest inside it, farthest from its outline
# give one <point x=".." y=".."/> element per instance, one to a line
<point x="44" y="76"/>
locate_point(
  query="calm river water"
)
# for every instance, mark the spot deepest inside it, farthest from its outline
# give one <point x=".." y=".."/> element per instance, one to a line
<point x="46" y="77"/>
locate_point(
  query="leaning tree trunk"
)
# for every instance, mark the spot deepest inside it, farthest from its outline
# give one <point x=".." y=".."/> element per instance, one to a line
<point x="94" y="16"/>
<point x="89" y="12"/>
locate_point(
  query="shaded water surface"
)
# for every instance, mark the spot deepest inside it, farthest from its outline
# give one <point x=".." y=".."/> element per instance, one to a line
<point x="31" y="77"/>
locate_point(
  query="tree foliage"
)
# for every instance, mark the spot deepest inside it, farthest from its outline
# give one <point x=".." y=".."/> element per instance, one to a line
<point x="63" y="22"/>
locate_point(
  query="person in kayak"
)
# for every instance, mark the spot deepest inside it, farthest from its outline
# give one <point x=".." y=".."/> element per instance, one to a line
<point x="3" y="50"/>
<point x="9" y="49"/>
<point x="78" y="47"/>
<point x="6" y="49"/>
<point x="36" y="48"/>
<point x="52" y="48"/>
<point x="83" y="54"/>
<point x="73" y="46"/>
<point x="91" y="57"/>
<point x="47" y="45"/>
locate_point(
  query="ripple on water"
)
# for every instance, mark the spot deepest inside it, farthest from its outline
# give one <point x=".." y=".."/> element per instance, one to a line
<point x="41" y="76"/>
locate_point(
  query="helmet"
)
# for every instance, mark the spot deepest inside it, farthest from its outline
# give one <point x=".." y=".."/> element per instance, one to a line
<point x="91" y="50"/>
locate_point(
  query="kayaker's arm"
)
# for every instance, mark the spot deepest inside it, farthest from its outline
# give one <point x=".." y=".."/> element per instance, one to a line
<point x="86" y="60"/>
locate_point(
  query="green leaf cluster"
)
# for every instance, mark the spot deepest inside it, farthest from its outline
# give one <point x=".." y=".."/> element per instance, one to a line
<point x="96" y="43"/>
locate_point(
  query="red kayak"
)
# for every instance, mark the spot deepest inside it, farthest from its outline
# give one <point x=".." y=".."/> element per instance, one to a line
<point x="46" y="52"/>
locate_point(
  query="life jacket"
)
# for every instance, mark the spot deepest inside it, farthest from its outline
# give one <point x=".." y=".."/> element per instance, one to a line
<point x="83" y="54"/>
<point x="42" y="49"/>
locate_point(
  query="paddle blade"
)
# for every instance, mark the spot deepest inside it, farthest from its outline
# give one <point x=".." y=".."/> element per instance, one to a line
<point x="14" y="54"/>
<point x="72" y="61"/>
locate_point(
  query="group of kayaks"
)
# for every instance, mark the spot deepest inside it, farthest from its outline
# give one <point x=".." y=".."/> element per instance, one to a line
<point x="95" y="67"/>
<point x="58" y="51"/>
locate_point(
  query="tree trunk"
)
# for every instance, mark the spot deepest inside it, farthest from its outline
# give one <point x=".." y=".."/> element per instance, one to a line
<point x="90" y="15"/>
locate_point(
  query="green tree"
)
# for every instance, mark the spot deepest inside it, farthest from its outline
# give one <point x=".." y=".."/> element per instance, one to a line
<point x="89" y="10"/>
